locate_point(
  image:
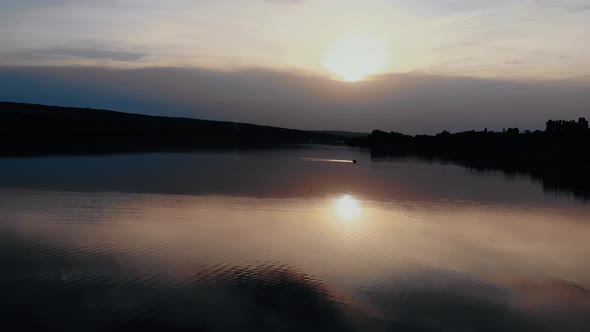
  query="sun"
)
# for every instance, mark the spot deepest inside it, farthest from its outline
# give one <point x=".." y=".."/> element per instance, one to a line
<point x="355" y="56"/>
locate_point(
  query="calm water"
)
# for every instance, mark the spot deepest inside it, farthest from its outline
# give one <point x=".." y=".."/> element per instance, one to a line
<point x="296" y="239"/>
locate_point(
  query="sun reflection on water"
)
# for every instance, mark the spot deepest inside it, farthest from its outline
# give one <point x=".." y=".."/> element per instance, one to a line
<point x="347" y="207"/>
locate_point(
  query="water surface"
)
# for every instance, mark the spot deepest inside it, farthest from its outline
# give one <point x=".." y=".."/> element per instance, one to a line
<point x="295" y="239"/>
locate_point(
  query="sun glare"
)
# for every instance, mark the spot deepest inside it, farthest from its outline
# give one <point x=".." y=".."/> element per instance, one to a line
<point x="354" y="57"/>
<point x="348" y="207"/>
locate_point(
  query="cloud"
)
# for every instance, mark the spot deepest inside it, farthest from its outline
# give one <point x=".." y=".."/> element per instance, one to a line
<point x="36" y="56"/>
<point x="565" y="5"/>
<point x="284" y="1"/>
<point x="410" y="103"/>
<point x="580" y="8"/>
<point x="452" y="6"/>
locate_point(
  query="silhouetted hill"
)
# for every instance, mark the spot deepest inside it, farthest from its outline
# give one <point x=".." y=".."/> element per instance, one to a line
<point x="32" y="129"/>
<point x="558" y="156"/>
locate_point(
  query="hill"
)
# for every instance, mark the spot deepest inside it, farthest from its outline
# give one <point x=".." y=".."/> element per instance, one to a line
<point x="33" y="129"/>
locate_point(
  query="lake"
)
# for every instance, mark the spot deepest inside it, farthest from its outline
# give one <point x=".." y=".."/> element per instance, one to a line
<point x="291" y="239"/>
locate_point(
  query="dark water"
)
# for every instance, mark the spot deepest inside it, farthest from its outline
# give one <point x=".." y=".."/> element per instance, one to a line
<point x="286" y="240"/>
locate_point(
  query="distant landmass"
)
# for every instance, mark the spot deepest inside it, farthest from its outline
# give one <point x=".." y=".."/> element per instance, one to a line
<point x="27" y="129"/>
<point x="559" y="156"/>
<point x="346" y="134"/>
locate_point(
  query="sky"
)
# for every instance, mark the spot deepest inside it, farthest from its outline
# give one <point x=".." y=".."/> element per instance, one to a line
<point x="404" y="65"/>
